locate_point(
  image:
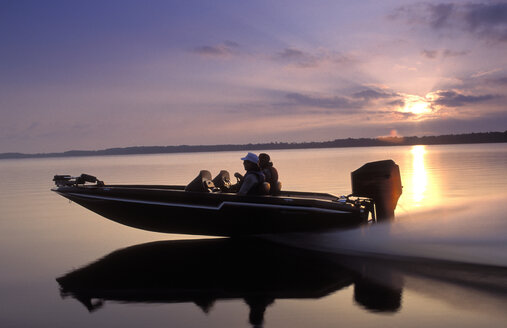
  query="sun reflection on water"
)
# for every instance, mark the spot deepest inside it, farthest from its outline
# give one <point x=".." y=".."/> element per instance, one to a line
<point x="419" y="175"/>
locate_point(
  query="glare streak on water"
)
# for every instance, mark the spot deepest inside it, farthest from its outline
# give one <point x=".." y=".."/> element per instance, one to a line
<point x="454" y="233"/>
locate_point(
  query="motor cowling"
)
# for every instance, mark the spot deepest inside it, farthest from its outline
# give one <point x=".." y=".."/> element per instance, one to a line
<point x="380" y="181"/>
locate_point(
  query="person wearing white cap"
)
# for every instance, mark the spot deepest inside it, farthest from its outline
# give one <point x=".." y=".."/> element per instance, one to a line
<point x="252" y="181"/>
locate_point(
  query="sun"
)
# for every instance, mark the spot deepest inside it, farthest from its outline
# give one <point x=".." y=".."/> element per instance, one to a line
<point x="418" y="108"/>
<point x="416" y="105"/>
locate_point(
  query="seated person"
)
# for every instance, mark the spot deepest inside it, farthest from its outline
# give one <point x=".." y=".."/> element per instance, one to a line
<point x="270" y="173"/>
<point x="252" y="182"/>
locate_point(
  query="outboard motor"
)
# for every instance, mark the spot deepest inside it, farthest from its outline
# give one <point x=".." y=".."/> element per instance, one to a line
<point x="67" y="180"/>
<point x="380" y="181"/>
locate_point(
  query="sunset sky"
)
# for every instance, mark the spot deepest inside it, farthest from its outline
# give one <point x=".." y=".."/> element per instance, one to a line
<point x="100" y="74"/>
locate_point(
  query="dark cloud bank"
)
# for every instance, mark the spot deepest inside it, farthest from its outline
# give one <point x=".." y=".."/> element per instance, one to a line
<point x="456" y="99"/>
<point x="485" y="20"/>
<point x="363" y="100"/>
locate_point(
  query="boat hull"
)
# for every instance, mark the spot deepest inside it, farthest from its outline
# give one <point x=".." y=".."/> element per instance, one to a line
<point x="170" y="209"/>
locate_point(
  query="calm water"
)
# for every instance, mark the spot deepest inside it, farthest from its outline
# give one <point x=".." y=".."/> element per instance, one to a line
<point x="441" y="263"/>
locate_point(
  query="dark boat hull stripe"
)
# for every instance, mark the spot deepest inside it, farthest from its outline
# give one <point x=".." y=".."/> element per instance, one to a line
<point x="215" y="208"/>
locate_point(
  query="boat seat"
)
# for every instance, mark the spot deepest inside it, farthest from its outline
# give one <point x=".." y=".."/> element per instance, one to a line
<point x="202" y="183"/>
<point x="264" y="188"/>
<point x="223" y="181"/>
<point x="276" y="188"/>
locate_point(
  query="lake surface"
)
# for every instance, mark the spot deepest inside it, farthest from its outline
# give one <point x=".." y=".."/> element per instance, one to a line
<point x="441" y="263"/>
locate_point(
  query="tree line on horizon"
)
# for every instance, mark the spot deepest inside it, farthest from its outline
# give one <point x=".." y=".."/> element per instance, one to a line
<point x="485" y="137"/>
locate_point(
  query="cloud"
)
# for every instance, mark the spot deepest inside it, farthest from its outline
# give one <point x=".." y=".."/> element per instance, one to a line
<point x="370" y="94"/>
<point x="369" y="103"/>
<point x="440" y="14"/>
<point x="397" y="103"/>
<point x="231" y="44"/>
<point x="484" y="73"/>
<point x="451" y="53"/>
<point x="445" y="53"/>
<point x="336" y="102"/>
<point x="431" y="54"/>
<point x="302" y="59"/>
<point x="397" y="115"/>
<point x="484" y="20"/>
<point x="292" y="54"/>
<point x="405" y="68"/>
<point x="370" y="100"/>
<point x="222" y="50"/>
<point x="298" y="58"/>
<point x="500" y="80"/>
<point x="380" y="103"/>
<point x="487" y="17"/>
<point x="451" y="98"/>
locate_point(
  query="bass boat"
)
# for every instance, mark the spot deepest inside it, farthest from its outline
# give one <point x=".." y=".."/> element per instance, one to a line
<point x="209" y="207"/>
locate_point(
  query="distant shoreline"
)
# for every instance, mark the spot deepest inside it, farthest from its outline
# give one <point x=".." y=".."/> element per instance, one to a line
<point x="469" y="138"/>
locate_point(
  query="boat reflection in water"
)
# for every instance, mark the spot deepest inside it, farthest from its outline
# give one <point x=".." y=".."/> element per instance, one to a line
<point x="204" y="271"/>
<point x="259" y="272"/>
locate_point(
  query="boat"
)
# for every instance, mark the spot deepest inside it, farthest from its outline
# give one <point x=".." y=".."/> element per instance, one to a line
<point x="210" y="207"/>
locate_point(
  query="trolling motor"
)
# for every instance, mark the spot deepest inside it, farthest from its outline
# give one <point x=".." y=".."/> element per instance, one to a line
<point x="67" y="180"/>
<point x="380" y="181"/>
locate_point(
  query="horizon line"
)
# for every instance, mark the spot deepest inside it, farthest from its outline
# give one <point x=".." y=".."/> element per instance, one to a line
<point x="463" y="138"/>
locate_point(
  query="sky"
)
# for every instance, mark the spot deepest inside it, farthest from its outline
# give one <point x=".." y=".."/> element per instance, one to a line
<point x="92" y="74"/>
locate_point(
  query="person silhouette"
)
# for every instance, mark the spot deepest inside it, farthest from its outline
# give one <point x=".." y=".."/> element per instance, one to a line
<point x="253" y="180"/>
<point x="270" y="173"/>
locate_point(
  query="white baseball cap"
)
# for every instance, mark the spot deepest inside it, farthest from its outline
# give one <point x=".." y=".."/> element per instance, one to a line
<point x="251" y="157"/>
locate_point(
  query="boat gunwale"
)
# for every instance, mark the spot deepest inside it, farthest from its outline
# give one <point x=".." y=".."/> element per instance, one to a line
<point x="211" y="200"/>
<point x="282" y="194"/>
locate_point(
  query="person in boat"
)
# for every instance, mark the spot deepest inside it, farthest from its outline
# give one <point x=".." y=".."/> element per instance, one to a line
<point x="253" y="181"/>
<point x="270" y="173"/>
